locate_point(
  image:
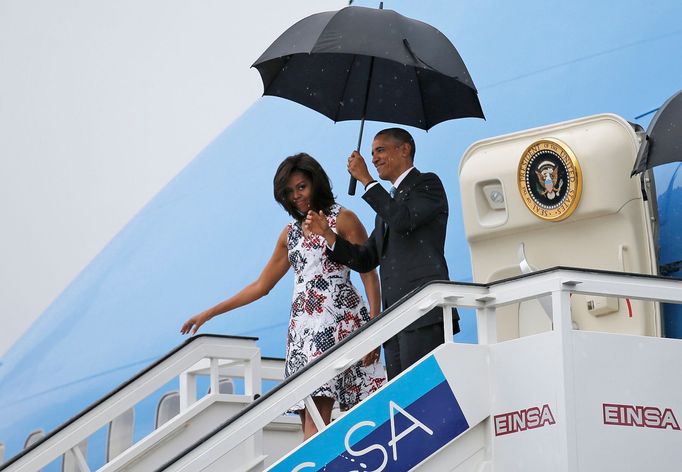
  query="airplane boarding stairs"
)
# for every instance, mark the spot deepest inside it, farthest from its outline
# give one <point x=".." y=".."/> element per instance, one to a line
<point x="562" y="400"/>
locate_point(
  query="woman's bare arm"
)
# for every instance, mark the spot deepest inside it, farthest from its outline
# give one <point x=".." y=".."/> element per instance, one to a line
<point x="274" y="270"/>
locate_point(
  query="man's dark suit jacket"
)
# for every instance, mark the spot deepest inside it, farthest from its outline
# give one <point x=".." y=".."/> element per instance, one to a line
<point x="407" y="242"/>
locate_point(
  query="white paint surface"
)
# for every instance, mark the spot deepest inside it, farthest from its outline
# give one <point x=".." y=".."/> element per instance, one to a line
<point x="101" y="104"/>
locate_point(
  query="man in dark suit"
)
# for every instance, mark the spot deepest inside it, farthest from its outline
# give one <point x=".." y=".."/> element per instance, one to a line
<point x="407" y="242"/>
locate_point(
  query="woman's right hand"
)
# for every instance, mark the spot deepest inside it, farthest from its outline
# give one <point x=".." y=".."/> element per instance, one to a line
<point x="316" y="223"/>
<point x="194" y="323"/>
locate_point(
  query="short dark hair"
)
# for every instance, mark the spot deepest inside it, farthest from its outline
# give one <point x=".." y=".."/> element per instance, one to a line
<point x="402" y="136"/>
<point x="321" y="188"/>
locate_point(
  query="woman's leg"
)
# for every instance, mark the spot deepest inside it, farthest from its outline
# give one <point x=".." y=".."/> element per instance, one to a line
<point x="324" y="406"/>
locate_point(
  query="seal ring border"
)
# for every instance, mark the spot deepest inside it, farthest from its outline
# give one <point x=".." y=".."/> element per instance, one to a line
<point x="572" y="166"/>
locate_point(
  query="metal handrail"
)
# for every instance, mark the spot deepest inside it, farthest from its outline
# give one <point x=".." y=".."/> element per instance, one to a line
<point x="484" y="297"/>
<point x="67" y="436"/>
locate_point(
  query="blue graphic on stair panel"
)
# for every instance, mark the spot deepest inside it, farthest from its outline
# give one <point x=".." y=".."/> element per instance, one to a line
<point x="400" y="426"/>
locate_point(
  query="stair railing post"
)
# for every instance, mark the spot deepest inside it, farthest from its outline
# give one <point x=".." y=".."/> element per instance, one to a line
<point x="81" y="463"/>
<point x="188" y="390"/>
<point x="486" y="320"/>
<point x="448" y="326"/>
<point x="449" y="302"/>
<point x="561" y="317"/>
<point x="215" y="376"/>
<point x="314" y="413"/>
<point x="253" y="377"/>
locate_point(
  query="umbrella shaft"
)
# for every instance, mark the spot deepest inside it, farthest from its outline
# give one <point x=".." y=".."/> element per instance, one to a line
<point x="362" y="128"/>
<point x="353" y="182"/>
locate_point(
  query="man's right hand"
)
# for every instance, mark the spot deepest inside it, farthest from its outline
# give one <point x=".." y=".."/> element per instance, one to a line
<point x="358" y="168"/>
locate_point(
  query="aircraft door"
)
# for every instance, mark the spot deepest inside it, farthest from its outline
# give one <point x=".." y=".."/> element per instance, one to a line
<point x="561" y="195"/>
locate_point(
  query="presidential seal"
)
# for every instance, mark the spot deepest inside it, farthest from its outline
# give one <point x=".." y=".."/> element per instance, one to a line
<point x="550" y="180"/>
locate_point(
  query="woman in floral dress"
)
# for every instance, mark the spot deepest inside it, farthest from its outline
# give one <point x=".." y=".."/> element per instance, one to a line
<point x="326" y="307"/>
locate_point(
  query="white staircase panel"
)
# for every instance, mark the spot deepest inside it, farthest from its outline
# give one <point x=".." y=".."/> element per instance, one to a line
<point x="467" y="454"/>
<point x="527" y="413"/>
<point x="628" y="402"/>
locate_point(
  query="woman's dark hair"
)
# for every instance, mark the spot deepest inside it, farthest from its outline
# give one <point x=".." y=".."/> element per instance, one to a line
<point x="321" y="188"/>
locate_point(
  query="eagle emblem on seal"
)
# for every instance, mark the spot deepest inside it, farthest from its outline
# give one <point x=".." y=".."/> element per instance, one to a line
<point x="548" y="178"/>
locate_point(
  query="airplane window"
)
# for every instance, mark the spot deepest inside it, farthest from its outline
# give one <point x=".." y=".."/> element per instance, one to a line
<point x="224" y="386"/>
<point x="169" y="406"/>
<point x="33" y="438"/>
<point x="69" y="463"/>
<point x="120" y="435"/>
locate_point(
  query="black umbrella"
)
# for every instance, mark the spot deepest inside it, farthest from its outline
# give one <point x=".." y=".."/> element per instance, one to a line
<point x="663" y="141"/>
<point x="361" y="63"/>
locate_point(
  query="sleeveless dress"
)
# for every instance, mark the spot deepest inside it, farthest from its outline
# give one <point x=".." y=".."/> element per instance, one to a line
<point x="326" y="308"/>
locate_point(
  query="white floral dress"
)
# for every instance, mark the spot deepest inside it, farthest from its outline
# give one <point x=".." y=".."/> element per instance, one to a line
<point x="326" y="308"/>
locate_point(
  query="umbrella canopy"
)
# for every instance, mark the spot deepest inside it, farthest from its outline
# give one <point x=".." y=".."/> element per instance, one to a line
<point x="364" y="63"/>
<point x="663" y="141"/>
